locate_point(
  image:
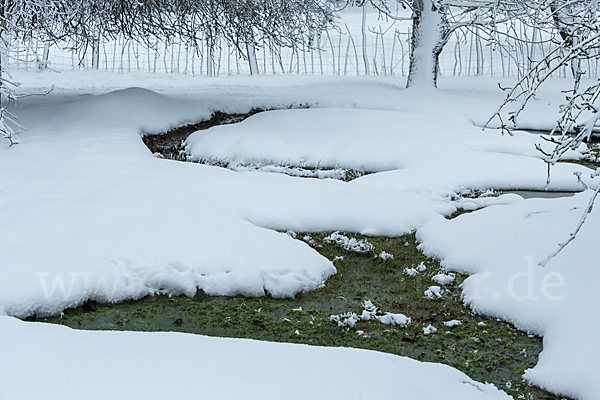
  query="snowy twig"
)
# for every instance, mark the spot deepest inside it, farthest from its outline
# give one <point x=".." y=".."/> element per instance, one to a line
<point x="577" y="28"/>
<point x="9" y="125"/>
<point x="572" y="236"/>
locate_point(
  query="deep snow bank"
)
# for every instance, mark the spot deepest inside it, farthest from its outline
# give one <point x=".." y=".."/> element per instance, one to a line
<point x="425" y="152"/>
<point x="87" y="212"/>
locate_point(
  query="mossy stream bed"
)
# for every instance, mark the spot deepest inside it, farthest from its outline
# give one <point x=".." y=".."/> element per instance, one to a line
<point x="487" y="349"/>
<point x="169" y="144"/>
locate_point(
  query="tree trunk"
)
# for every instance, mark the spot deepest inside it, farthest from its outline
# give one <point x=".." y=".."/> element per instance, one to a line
<point x="565" y="20"/>
<point x="96" y="53"/>
<point x="43" y="63"/>
<point x="364" y="39"/>
<point x="209" y="58"/>
<point x="3" y="55"/>
<point x="430" y="33"/>
<point x="252" y="61"/>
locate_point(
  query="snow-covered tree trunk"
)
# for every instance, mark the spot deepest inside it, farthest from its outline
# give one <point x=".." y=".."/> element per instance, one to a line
<point x="43" y="63"/>
<point x="252" y="61"/>
<point x="364" y="39"/>
<point x="429" y="35"/>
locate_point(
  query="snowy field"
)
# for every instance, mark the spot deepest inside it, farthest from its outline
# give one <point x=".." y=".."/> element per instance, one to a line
<point x="87" y="212"/>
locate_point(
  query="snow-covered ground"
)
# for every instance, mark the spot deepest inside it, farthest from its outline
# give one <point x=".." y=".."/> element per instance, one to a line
<point x="55" y="362"/>
<point x="86" y="212"/>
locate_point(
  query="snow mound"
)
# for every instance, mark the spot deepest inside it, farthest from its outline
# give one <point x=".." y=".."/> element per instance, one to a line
<point x="88" y="213"/>
<point x="421" y="153"/>
<point x="444" y="279"/>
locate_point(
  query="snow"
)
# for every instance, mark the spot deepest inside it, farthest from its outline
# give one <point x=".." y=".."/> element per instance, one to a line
<point x="429" y="33"/>
<point x="369" y="306"/>
<point x="394" y="319"/>
<point x="385" y="256"/>
<point x="433" y="292"/>
<point x="370" y="312"/>
<point x="429" y="329"/>
<point x="87" y="212"/>
<point x="444" y="279"/>
<point x="110" y="222"/>
<point x="557" y="302"/>
<point x="348" y="319"/>
<point x="291" y="171"/>
<point x="349" y="244"/>
<point x="457" y="154"/>
<point x="453" y="323"/>
<point x="127" y="365"/>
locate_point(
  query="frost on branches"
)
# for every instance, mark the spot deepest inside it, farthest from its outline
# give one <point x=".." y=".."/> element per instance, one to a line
<point x="435" y="21"/>
<point x="9" y="126"/>
<point x="575" y="28"/>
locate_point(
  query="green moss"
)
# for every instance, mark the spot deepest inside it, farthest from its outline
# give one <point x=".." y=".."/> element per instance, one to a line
<point x="496" y="352"/>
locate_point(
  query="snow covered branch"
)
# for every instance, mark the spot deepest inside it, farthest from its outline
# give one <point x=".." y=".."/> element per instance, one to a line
<point x="577" y="33"/>
<point x="9" y="125"/>
<point x="576" y="30"/>
<point x="572" y="236"/>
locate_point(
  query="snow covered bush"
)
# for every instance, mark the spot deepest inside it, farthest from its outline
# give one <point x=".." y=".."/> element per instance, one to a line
<point x="9" y="126"/>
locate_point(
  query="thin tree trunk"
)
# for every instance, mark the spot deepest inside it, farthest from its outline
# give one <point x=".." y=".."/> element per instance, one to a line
<point x="43" y="63"/>
<point x="364" y="39"/>
<point x="479" y="55"/>
<point x="228" y="59"/>
<point x="264" y="48"/>
<point x="209" y="59"/>
<point x="96" y="53"/>
<point x="332" y="52"/>
<point x="252" y="61"/>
